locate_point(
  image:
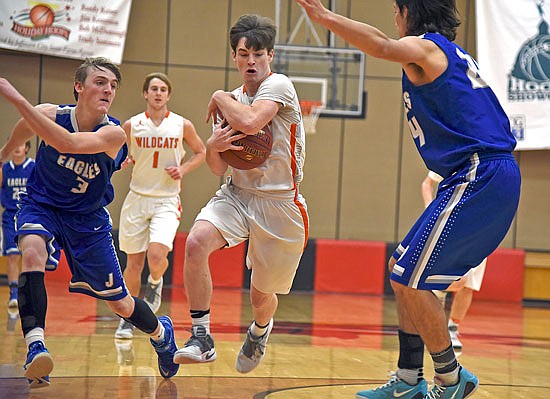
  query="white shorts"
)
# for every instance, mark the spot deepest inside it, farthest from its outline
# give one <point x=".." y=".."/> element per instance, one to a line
<point x="471" y="280"/>
<point x="276" y="230"/>
<point x="148" y="219"/>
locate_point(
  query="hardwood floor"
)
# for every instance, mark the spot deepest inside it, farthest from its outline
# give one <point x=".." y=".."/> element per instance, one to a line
<point x="322" y="346"/>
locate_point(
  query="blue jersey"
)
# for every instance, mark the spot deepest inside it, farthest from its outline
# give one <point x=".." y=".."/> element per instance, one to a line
<point x="14" y="181"/>
<point x="74" y="182"/>
<point x="456" y="115"/>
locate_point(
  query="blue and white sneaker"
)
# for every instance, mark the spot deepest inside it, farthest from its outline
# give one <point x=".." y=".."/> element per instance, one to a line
<point x="466" y="386"/>
<point x="38" y="366"/>
<point x="166" y="349"/>
<point x="395" y="388"/>
<point x="12" y="301"/>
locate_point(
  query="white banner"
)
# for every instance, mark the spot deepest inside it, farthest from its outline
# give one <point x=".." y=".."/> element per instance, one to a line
<point x="513" y="51"/>
<point x="66" y="28"/>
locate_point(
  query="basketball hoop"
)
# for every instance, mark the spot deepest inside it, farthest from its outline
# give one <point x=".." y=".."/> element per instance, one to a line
<point x="310" y="113"/>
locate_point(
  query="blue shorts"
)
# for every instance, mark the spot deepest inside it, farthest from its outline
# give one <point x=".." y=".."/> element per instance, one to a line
<point x="9" y="246"/>
<point x="87" y="242"/>
<point x="464" y="224"/>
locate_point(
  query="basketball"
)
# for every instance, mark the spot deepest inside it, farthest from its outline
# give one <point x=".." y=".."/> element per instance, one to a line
<point x="256" y="149"/>
<point x="41" y="15"/>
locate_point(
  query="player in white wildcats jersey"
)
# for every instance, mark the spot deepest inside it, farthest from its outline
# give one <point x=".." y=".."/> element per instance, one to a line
<point x="150" y="215"/>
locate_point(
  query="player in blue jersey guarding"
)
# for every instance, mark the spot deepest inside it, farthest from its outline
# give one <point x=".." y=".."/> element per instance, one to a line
<point x="14" y="176"/>
<point x="463" y="134"/>
<point x="64" y="208"/>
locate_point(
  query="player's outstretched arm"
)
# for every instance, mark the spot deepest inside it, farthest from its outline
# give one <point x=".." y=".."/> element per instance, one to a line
<point x="369" y="39"/>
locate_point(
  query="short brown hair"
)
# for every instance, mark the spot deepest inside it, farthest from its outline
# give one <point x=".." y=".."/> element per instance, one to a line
<point x="157" y="75"/>
<point x="100" y="63"/>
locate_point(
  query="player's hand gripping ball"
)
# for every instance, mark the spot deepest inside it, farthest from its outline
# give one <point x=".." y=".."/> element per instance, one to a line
<point x="256" y="149"/>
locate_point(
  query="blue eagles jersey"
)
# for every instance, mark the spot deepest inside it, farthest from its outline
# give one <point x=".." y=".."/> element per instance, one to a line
<point x="456" y="115"/>
<point x="14" y="181"/>
<point x="74" y="182"/>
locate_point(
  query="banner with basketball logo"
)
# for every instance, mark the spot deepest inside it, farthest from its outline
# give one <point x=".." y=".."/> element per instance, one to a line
<point x="513" y="51"/>
<point x="66" y="28"/>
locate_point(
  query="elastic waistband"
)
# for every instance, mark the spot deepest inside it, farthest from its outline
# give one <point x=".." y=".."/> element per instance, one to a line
<point x="488" y="156"/>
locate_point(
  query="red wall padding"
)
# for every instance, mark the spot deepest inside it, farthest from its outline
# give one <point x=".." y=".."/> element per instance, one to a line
<point x="226" y="265"/>
<point x="504" y="273"/>
<point x="350" y="266"/>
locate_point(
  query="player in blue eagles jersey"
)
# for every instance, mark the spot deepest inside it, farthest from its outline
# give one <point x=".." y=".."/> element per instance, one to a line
<point x="64" y="208"/>
<point x="14" y="175"/>
<point x="463" y="134"/>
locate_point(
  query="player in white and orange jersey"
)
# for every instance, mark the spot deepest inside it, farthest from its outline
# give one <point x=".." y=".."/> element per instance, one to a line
<point x="150" y="215"/>
<point x="262" y="205"/>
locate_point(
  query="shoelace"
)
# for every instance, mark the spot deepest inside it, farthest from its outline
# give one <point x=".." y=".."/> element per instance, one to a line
<point x="393" y="380"/>
<point x="436" y="392"/>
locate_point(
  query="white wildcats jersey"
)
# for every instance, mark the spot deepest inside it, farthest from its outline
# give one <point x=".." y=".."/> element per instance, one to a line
<point x="283" y="169"/>
<point x="154" y="148"/>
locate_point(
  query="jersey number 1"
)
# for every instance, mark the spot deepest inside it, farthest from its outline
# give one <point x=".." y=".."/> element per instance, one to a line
<point x="155" y="159"/>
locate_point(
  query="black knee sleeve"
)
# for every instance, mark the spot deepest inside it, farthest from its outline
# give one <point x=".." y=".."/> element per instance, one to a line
<point x="32" y="300"/>
<point x="411" y="351"/>
<point x="143" y="317"/>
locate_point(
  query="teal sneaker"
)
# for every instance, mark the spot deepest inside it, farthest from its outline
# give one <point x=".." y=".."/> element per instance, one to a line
<point x="466" y="386"/>
<point x="395" y="388"/>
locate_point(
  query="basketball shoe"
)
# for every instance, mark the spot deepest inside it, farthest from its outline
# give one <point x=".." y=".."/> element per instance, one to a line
<point x="199" y="348"/>
<point x="12" y="301"/>
<point x="166" y="349"/>
<point x="38" y="366"/>
<point x="453" y="333"/>
<point x="125" y="330"/>
<point x="253" y="350"/>
<point x="153" y="294"/>
<point x="466" y="386"/>
<point x="395" y="388"/>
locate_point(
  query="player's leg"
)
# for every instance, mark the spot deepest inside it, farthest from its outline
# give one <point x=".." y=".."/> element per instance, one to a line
<point x="203" y="239"/>
<point x="132" y="278"/>
<point x="133" y="239"/>
<point x="253" y="349"/>
<point x="163" y="226"/>
<point x="408" y="381"/>
<point x="11" y="251"/>
<point x="13" y="276"/>
<point x="463" y="299"/>
<point x="278" y="234"/>
<point x="157" y="258"/>
<point x="32" y="309"/>
<point x="160" y="331"/>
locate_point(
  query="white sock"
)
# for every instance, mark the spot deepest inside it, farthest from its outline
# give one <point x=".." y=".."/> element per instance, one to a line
<point x="258" y="331"/>
<point x="202" y="321"/>
<point x="36" y="334"/>
<point x="410" y="376"/>
<point x="159" y="337"/>
<point x="152" y="281"/>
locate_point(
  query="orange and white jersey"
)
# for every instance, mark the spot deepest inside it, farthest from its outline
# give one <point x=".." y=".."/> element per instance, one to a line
<point x="282" y="172"/>
<point x="153" y="148"/>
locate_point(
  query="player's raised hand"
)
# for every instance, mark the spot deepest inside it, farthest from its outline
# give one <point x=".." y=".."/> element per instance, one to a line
<point x="313" y="8"/>
<point x="9" y="92"/>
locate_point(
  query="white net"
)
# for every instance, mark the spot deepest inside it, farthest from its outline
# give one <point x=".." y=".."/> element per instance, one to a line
<point x="310" y="114"/>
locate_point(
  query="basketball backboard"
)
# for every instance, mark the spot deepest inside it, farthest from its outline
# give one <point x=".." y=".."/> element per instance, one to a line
<point x="320" y="71"/>
<point x="331" y="75"/>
